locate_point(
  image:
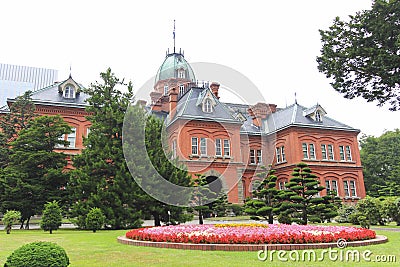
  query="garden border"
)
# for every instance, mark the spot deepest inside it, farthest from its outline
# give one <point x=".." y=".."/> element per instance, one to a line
<point x="248" y="247"/>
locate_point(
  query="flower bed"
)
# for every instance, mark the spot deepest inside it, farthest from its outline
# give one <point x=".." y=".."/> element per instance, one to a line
<point x="250" y="234"/>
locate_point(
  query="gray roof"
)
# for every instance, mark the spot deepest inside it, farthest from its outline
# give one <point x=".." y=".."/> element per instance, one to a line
<point x="189" y="107"/>
<point x="294" y="115"/>
<point x="50" y="95"/>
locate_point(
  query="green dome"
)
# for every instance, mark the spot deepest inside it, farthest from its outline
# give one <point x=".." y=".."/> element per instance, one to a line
<point x="175" y="66"/>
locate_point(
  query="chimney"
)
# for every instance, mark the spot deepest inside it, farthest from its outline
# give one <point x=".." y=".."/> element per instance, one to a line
<point x="256" y="121"/>
<point x="142" y="103"/>
<point x="173" y="100"/>
<point x="214" y="88"/>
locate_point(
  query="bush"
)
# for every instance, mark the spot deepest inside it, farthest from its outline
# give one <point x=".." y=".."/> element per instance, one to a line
<point x="11" y="217"/>
<point x="95" y="219"/>
<point x="237" y="209"/>
<point x="344" y="213"/>
<point x="52" y="217"/>
<point x="38" y="254"/>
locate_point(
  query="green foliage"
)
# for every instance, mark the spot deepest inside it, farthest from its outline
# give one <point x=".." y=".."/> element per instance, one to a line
<point x="266" y="197"/>
<point x="300" y="202"/>
<point x="95" y="219"/>
<point x="52" y="217"/>
<point x="34" y="174"/>
<point x="236" y="208"/>
<point x="38" y="254"/>
<point x="101" y="178"/>
<point x="344" y="213"/>
<point x="391" y="209"/>
<point x="10" y="218"/>
<point x="202" y="196"/>
<point x="380" y="158"/>
<point x="372" y="208"/>
<point x="362" y="55"/>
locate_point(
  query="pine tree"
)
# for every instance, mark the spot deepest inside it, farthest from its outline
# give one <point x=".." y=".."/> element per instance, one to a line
<point x="102" y="178"/>
<point x="300" y="200"/>
<point x="52" y="217"/>
<point x="202" y="196"/>
<point x="35" y="174"/>
<point x="265" y="203"/>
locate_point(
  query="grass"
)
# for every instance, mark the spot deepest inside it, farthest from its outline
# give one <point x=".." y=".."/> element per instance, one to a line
<point x="85" y="248"/>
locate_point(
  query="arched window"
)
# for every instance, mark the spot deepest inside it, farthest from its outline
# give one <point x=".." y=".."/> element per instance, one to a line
<point x="318" y="116"/>
<point x="165" y="89"/>
<point x="69" y="91"/>
<point x="181" y="74"/>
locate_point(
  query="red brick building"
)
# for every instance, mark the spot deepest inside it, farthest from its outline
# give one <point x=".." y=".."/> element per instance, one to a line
<point x="229" y="142"/>
<point x="225" y="141"/>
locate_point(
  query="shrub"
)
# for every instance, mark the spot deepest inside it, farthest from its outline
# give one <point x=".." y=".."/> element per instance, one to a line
<point x="52" y="218"/>
<point x="344" y="213"/>
<point x="95" y="219"/>
<point x="38" y="254"/>
<point x="11" y="217"/>
<point x="237" y="209"/>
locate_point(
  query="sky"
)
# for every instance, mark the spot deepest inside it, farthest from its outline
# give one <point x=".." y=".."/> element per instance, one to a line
<point x="273" y="43"/>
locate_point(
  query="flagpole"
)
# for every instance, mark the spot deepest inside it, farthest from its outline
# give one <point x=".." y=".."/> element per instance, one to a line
<point x="174" y="36"/>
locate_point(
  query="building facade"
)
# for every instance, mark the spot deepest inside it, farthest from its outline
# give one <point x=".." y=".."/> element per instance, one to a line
<point x="229" y="143"/>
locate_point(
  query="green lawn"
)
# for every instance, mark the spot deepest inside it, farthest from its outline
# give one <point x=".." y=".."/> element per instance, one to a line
<point x="85" y="248"/>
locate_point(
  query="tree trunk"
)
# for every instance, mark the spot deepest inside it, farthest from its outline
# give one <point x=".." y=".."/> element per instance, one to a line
<point x="157" y="221"/>
<point x="27" y="223"/>
<point x="51" y="231"/>
<point x="201" y="217"/>
<point x="304" y="216"/>
<point x="8" y="228"/>
<point x="270" y="218"/>
<point x="22" y="224"/>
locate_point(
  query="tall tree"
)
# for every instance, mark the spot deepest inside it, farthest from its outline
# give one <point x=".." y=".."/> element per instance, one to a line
<point x="362" y="55"/>
<point x="35" y="174"/>
<point x="168" y="168"/>
<point x="380" y="158"/>
<point x="102" y="178"/>
<point x="265" y="203"/>
<point x="300" y="200"/>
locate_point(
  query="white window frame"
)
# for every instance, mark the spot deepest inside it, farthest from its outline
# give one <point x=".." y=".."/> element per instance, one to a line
<point x="165" y="89"/>
<point x="352" y="187"/>
<point x="174" y="154"/>
<point x="71" y="138"/>
<point x="283" y="153"/>
<point x="311" y="149"/>
<point x="259" y="156"/>
<point x="331" y="154"/>
<point x="346" y="188"/>
<point x="318" y="116"/>
<point x="69" y="91"/>
<point x="278" y="155"/>
<point x="348" y="154"/>
<point x="181" y="89"/>
<point x="218" y="147"/>
<point x="207" y="106"/>
<point x="181" y="74"/>
<point x="331" y="185"/>
<point x="203" y="146"/>
<point x="252" y="156"/>
<point x="227" y="148"/>
<point x="324" y="152"/>
<point x="341" y="153"/>
<point x="305" y="151"/>
<point x="195" y="146"/>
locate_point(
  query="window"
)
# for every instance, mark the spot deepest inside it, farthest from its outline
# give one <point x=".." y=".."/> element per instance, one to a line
<point x="312" y="151"/>
<point x="281" y="185"/>
<point x="181" y="74"/>
<point x="348" y="153"/>
<point x="194" y="146"/>
<point x="218" y="151"/>
<point x="353" y="188"/>
<point x="350" y="188"/>
<point x="318" y="116"/>
<point x="69" y="91"/>
<point x="259" y="156"/>
<point x="330" y="152"/>
<point x="255" y="156"/>
<point x="165" y="89"/>
<point x="252" y="156"/>
<point x="207" y="106"/>
<point x="331" y="185"/>
<point x="341" y="153"/>
<point x="308" y="151"/>
<point x="227" y="148"/>
<point x="203" y="146"/>
<point x="71" y="138"/>
<point x="181" y="89"/>
<point x="280" y="154"/>
<point x="305" y="151"/>
<point x="323" y="150"/>
<point x="174" y="149"/>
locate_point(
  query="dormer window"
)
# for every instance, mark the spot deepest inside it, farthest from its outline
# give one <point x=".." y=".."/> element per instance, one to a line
<point x="181" y="73"/>
<point x="318" y="116"/>
<point x="165" y="89"/>
<point x="207" y="106"/>
<point x="69" y="91"/>
<point x="181" y="89"/>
